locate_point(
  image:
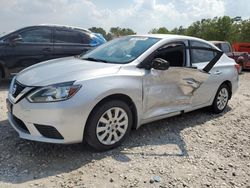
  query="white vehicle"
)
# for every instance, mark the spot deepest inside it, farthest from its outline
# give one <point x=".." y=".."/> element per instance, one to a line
<point x="120" y="85"/>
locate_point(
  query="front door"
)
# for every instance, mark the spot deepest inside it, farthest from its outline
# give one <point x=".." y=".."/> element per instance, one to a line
<point x="171" y="90"/>
<point x="35" y="46"/>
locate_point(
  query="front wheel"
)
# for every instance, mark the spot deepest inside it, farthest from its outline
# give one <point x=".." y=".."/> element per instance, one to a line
<point x="108" y="126"/>
<point x="221" y="99"/>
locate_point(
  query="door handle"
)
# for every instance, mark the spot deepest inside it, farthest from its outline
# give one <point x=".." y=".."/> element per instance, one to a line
<point x="217" y="72"/>
<point x="47" y="50"/>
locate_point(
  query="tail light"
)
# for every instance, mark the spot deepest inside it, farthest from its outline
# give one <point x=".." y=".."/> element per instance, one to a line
<point x="237" y="66"/>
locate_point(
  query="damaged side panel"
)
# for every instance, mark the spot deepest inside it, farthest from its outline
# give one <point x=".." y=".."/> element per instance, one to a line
<point x="171" y="90"/>
<point x="175" y="89"/>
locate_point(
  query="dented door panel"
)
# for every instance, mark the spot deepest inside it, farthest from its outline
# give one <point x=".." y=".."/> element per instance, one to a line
<point x="171" y="90"/>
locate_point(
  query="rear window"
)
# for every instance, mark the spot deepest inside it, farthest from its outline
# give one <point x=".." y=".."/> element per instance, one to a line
<point x="201" y="55"/>
<point x="66" y="36"/>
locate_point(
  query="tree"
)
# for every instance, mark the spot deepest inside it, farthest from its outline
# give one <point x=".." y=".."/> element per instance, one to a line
<point x="179" y="31"/>
<point x="117" y="31"/>
<point x="244" y="31"/>
<point x="161" y="30"/>
<point x="98" y="30"/>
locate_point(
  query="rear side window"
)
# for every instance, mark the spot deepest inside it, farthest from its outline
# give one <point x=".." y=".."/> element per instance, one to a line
<point x="201" y="55"/>
<point x="67" y="36"/>
<point x="39" y="35"/>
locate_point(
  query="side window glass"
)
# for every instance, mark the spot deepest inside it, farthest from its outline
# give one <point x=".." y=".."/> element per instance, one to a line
<point x="201" y="55"/>
<point x="65" y="36"/>
<point x="40" y="35"/>
<point x="174" y="53"/>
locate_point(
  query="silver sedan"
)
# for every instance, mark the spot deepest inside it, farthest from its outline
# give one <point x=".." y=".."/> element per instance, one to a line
<point x="127" y="82"/>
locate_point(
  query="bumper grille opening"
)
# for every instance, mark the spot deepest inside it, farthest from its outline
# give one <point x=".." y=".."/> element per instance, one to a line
<point x="48" y="131"/>
<point x="20" y="124"/>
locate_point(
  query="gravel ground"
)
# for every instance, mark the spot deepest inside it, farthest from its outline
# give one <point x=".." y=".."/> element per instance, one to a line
<point x="198" y="149"/>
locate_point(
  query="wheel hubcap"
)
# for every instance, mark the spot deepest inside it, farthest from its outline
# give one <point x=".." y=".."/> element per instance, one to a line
<point x="112" y="126"/>
<point x="222" y="99"/>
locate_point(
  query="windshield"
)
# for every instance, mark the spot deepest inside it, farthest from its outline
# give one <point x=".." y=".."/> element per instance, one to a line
<point x="121" y="50"/>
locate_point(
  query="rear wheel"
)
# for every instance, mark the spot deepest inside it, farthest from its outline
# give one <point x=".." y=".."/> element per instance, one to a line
<point x="109" y="125"/>
<point x="221" y="99"/>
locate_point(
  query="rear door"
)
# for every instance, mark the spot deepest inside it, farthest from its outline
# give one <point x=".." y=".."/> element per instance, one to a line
<point x="203" y="57"/>
<point x="175" y="89"/>
<point x="35" y="46"/>
<point x="69" y="42"/>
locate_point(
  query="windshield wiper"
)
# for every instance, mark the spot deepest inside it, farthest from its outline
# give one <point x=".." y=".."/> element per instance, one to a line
<point x="95" y="59"/>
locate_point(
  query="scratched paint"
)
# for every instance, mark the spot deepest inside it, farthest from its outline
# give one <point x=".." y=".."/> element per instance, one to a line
<point x="171" y="90"/>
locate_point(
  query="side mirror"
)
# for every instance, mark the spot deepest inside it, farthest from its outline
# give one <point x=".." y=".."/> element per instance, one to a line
<point x="160" y="64"/>
<point x="15" y="38"/>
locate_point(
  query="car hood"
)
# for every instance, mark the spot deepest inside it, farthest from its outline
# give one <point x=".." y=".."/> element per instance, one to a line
<point x="64" y="70"/>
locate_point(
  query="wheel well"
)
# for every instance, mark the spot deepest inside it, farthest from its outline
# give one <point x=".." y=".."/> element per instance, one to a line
<point x="125" y="99"/>
<point x="229" y="84"/>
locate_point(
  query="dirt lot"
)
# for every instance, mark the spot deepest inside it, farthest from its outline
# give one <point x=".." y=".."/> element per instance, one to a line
<point x="198" y="149"/>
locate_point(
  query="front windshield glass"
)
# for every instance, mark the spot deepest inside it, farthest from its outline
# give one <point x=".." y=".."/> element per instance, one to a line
<point x="121" y="50"/>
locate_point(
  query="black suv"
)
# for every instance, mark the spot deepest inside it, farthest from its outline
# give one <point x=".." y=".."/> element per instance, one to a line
<point x="34" y="44"/>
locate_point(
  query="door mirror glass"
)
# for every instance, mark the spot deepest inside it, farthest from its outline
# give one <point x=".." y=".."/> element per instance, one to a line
<point x="160" y="64"/>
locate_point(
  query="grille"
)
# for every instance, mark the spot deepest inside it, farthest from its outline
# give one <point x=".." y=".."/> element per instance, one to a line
<point x="48" y="131"/>
<point x="20" y="124"/>
<point x="18" y="90"/>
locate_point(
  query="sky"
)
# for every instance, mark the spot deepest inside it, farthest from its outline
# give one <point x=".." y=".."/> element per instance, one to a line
<point x="139" y="15"/>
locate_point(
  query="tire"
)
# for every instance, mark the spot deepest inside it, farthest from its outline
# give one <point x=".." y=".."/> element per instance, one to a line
<point x="1" y="76"/>
<point x="108" y="125"/>
<point x="221" y="99"/>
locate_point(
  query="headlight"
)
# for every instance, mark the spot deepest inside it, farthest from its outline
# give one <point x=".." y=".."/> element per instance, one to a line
<point x="54" y="93"/>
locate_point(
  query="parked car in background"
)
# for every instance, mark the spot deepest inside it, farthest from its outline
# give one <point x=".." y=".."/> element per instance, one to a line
<point x="240" y="57"/>
<point x="127" y="82"/>
<point x="30" y="45"/>
<point x="241" y="47"/>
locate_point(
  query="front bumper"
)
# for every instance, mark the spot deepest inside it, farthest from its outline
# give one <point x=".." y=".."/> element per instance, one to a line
<point x="60" y="122"/>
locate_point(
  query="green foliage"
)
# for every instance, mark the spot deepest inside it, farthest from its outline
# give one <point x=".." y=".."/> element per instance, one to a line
<point x="161" y="30"/>
<point x="113" y="32"/>
<point x="219" y="28"/>
<point x="117" y="31"/>
<point x="98" y="30"/>
<point x="245" y="31"/>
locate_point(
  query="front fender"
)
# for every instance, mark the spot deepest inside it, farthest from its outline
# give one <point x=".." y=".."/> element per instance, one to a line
<point x="97" y="89"/>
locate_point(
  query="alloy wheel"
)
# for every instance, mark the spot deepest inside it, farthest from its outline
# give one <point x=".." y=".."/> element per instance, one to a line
<point x="222" y="99"/>
<point x="112" y="126"/>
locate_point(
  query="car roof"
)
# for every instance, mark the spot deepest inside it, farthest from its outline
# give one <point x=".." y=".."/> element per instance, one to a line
<point x="170" y="36"/>
<point x="56" y="26"/>
<point x="65" y="26"/>
<point x="218" y="41"/>
<point x="175" y="37"/>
